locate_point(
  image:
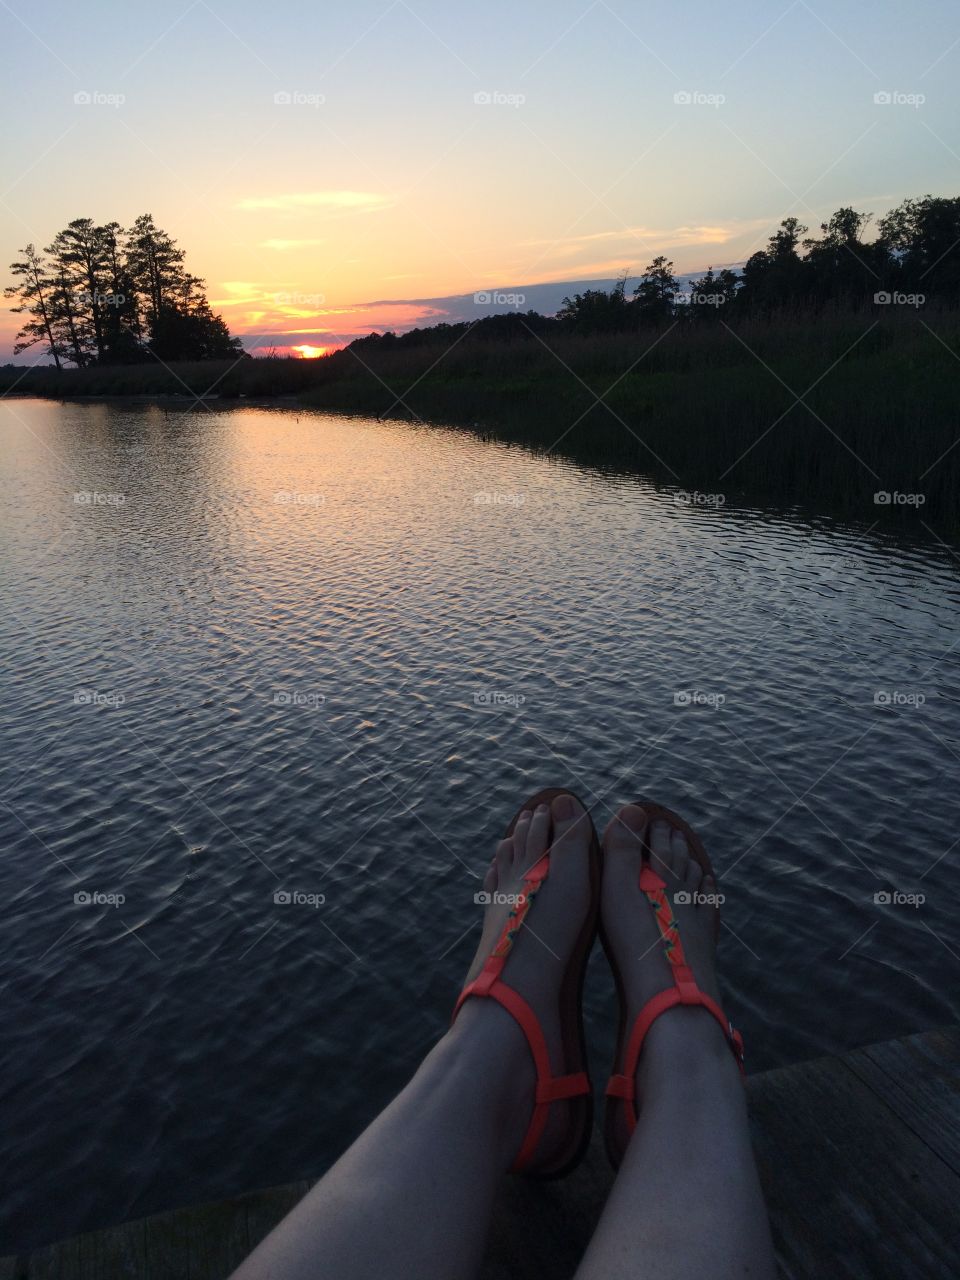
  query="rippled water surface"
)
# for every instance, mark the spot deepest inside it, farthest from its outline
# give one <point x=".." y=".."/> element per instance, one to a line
<point x="297" y="655"/>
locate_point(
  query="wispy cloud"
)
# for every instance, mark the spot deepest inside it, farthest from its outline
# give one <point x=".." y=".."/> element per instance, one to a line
<point x="668" y="237"/>
<point x="291" y="202"/>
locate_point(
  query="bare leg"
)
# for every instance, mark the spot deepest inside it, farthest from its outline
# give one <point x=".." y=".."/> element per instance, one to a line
<point x="687" y="1200"/>
<point x="412" y="1197"/>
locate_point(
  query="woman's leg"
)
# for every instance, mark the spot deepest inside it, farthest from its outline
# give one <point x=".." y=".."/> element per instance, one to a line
<point x="412" y="1197"/>
<point x="687" y="1200"/>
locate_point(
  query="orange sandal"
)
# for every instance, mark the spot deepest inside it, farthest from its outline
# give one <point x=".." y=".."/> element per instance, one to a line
<point x="621" y="1090"/>
<point x="574" y="1087"/>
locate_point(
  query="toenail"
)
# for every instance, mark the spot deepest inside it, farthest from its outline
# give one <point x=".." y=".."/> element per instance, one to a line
<point x="525" y="816"/>
<point x="543" y="808"/>
<point x="564" y="807"/>
<point x="634" y="818"/>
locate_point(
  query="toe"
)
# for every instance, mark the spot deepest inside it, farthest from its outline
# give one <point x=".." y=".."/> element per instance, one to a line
<point x="492" y="878"/>
<point x="692" y="871"/>
<point x="538" y="834"/>
<point x="520" y="829"/>
<point x="571" y="826"/>
<point x="624" y="833"/>
<point x="661" y="847"/>
<point x="623" y="845"/>
<point x="503" y="858"/>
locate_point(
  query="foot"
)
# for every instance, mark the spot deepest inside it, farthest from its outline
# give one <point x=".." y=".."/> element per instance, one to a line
<point x="535" y="966"/>
<point x="685" y="1037"/>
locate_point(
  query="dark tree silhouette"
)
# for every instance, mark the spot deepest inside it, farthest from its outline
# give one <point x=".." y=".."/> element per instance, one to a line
<point x="34" y="293"/>
<point x="106" y="296"/>
<point x="656" y="293"/>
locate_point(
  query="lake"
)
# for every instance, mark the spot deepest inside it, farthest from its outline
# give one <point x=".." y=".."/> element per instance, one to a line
<point x="274" y="682"/>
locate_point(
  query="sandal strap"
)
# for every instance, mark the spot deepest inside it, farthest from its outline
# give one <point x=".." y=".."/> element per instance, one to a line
<point x="683" y="992"/>
<point x="488" y="984"/>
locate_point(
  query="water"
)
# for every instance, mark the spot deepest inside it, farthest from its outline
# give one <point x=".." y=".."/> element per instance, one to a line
<point x="214" y="694"/>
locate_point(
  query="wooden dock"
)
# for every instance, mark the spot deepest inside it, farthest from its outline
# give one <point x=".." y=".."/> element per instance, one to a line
<point x="859" y="1156"/>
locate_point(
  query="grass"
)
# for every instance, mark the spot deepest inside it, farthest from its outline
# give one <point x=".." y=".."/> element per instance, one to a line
<point x="706" y="407"/>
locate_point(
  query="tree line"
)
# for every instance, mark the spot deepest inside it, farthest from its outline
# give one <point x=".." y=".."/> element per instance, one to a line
<point x="913" y="258"/>
<point x="105" y="295"/>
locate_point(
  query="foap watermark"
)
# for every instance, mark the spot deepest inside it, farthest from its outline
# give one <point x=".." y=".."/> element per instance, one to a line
<point x="897" y="898"/>
<point x="892" y="298"/>
<point x="298" y="698"/>
<point x="686" y="498"/>
<point x="698" y="698"/>
<point x="94" y="898"/>
<point x="498" y="899"/>
<point x="696" y="898"/>
<point x="707" y="299"/>
<point x="298" y="98"/>
<point x="696" y="98"/>
<point x="94" y="698"/>
<point x="498" y="298"/>
<point x="296" y="898"/>
<point x="291" y="498"/>
<point x="97" y="98"/>
<point x="498" y="498"/>
<point x="897" y="98"/>
<point x="497" y="698"/>
<point x="897" y="698"/>
<point x="91" y="498"/>
<point x="497" y="98"/>
<point x="84" y="298"/>
<point x="886" y="498"/>
<point x="299" y="299"/>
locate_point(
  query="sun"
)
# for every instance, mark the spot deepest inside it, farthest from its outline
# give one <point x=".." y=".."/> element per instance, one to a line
<point x="307" y="352"/>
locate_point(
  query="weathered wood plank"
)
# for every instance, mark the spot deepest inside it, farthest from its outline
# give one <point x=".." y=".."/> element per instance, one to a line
<point x="919" y="1078"/>
<point x="851" y="1190"/>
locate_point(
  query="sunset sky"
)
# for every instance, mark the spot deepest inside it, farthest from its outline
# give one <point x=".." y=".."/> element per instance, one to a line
<point x="327" y="167"/>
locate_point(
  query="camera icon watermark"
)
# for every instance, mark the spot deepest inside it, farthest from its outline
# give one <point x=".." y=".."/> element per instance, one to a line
<point x="894" y="298"/>
<point x="94" y="898"/>
<point x="296" y="898"/>
<point x="498" y="899"/>
<point x="498" y="498"/>
<point x="298" y="98"/>
<point x="896" y="98"/>
<point x="92" y="498"/>
<point x="497" y="98"/>
<point x="896" y="898"/>
<point x="695" y="98"/>
<point x="698" y="698"/>
<point x="696" y="898"/>
<point x="694" y="498"/>
<point x="97" y="98"/>
<point x="94" y="698"/>
<point x="298" y="698"/>
<point x="299" y="299"/>
<point x="896" y="698"/>
<point x="498" y="298"/>
<point x="884" y="498"/>
<point x="291" y="498"/>
<point x="497" y="698"/>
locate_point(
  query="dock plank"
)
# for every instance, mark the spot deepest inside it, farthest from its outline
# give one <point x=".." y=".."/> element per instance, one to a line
<point x="852" y="1191"/>
<point x="859" y="1157"/>
<point x="919" y="1078"/>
